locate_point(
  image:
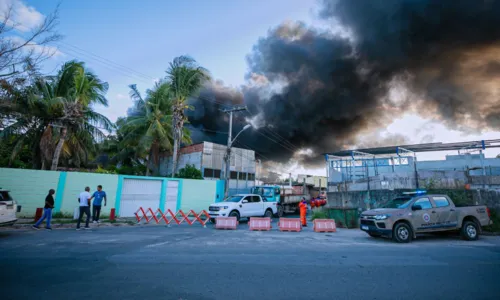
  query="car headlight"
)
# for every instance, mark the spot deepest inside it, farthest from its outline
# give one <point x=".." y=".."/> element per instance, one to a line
<point x="225" y="207"/>
<point x="381" y="217"/>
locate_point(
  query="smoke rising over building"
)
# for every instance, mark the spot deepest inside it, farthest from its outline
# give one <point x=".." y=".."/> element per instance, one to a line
<point x="311" y="88"/>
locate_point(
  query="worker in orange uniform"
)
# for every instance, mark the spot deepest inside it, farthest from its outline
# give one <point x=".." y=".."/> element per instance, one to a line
<point x="303" y="212"/>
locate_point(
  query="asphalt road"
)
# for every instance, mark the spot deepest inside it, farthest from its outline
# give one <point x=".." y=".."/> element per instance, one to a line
<point x="156" y="262"/>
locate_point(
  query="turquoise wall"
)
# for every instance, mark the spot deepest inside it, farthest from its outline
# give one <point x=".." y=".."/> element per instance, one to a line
<point x="28" y="187"/>
<point x="197" y="194"/>
<point x="219" y="190"/>
<point x="76" y="183"/>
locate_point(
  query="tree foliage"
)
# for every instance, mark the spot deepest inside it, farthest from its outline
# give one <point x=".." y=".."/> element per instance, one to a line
<point x="189" y="172"/>
<point x="186" y="77"/>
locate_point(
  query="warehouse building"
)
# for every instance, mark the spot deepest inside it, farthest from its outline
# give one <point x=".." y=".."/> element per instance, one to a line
<point x="397" y="167"/>
<point x="209" y="159"/>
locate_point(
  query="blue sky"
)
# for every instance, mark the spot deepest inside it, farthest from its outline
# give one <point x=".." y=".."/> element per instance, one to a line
<point x="142" y="37"/>
<point x="146" y="35"/>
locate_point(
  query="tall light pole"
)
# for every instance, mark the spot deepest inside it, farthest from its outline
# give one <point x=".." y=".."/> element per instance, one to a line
<point x="230" y="140"/>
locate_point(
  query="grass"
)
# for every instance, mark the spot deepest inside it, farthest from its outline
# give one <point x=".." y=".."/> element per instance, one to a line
<point x="62" y="215"/>
<point x="496" y="222"/>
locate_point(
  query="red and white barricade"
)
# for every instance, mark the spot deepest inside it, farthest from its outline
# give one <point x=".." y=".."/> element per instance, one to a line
<point x="226" y="223"/>
<point x="289" y="224"/>
<point x="168" y="217"/>
<point x="263" y="224"/>
<point x="324" y="225"/>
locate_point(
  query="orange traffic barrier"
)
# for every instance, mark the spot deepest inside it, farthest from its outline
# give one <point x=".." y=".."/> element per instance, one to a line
<point x="289" y="224"/>
<point x="259" y="224"/>
<point x="324" y="225"/>
<point x="226" y="223"/>
<point x="168" y="217"/>
<point x="143" y="215"/>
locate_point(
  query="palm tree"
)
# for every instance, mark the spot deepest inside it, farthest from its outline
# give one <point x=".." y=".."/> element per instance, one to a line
<point x="185" y="78"/>
<point x="57" y="109"/>
<point x="148" y="129"/>
<point x="77" y="89"/>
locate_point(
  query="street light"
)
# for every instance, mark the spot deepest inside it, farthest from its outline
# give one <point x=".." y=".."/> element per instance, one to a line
<point x="228" y="156"/>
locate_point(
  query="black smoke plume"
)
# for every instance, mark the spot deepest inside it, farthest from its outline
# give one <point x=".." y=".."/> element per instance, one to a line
<point x="315" y="89"/>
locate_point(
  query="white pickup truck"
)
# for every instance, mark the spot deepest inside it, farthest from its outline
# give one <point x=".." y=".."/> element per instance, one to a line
<point x="242" y="206"/>
<point x="8" y="209"/>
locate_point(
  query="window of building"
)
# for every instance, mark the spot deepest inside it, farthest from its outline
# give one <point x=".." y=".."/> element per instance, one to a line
<point x="234" y="175"/>
<point x="242" y="176"/>
<point x="251" y="176"/>
<point x="441" y="201"/>
<point x="425" y="203"/>
<point x="217" y="173"/>
<point x="209" y="173"/>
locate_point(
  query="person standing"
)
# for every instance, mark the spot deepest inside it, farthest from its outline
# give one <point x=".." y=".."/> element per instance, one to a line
<point x="84" y="200"/>
<point x="303" y="212"/>
<point x="47" y="211"/>
<point x="98" y="196"/>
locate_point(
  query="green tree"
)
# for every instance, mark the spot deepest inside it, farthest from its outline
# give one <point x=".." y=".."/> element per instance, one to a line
<point x="185" y="78"/>
<point x="148" y="129"/>
<point x="189" y="172"/>
<point x="55" y="116"/>
<point x="75" y="90"/>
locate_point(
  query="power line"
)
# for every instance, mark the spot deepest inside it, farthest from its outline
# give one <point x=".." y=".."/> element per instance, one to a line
<point x="285" y="144"/>
<point x="109" y="61"/>
<point x="124" y="70"/>
<point x="77" y="55"/>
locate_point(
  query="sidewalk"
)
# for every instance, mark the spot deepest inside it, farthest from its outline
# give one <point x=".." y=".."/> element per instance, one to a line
<point x="68" y="223"/>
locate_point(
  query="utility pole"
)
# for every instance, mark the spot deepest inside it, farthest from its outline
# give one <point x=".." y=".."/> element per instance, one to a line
<point x="227" y="157"/>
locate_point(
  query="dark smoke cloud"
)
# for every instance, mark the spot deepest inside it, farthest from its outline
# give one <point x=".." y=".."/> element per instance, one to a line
<point x="314" y="89"/>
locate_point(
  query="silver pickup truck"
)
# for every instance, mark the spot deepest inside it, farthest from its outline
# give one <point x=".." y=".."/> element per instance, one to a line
<point x="424" y="214"/>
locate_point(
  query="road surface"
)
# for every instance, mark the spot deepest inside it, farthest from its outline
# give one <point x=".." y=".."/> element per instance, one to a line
<point x="190" y="263"/>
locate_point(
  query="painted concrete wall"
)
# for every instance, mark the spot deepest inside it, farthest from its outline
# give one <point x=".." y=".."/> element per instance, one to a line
<point x="76" y="183"/>
<point x="197" y="194"/>
<point x="29" y="187"/>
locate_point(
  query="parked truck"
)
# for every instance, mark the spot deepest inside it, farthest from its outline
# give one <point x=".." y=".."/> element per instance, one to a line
<point x="242" y="206"/>
<point x="286" y="200"/>
<point x="403" y="220"/>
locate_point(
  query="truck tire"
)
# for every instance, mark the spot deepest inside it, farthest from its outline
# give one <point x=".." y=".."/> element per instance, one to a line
<point x="236" y="214"/>
<point x="469" y="231"/>
<point x="268" y="214"/>
<point x="402" y="233"/>
<point x="280" y="211"/>
<point x="212" y="220"/>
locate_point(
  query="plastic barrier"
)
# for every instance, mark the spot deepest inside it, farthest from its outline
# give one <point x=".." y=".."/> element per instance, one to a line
<point x="324" y="225"/>
<point x="289" y="224"/>
<point x="259" y="224"/>
<point x="226" y="223"/>
<point x="168" y="217"/>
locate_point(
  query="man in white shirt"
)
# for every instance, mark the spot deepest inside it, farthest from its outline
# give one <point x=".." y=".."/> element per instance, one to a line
<point x="84" y="200"/>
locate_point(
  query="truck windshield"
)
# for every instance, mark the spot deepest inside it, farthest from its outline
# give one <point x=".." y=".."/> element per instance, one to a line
<point x="265" y="192"/>
<point x="406" y="204"/>
<point x="233" y="199"/>
<point x="397" y="202"/>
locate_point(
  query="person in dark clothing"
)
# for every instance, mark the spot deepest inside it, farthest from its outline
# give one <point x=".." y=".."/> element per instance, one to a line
<point x="47" y="211"/>
<point x="98" y="196"/>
